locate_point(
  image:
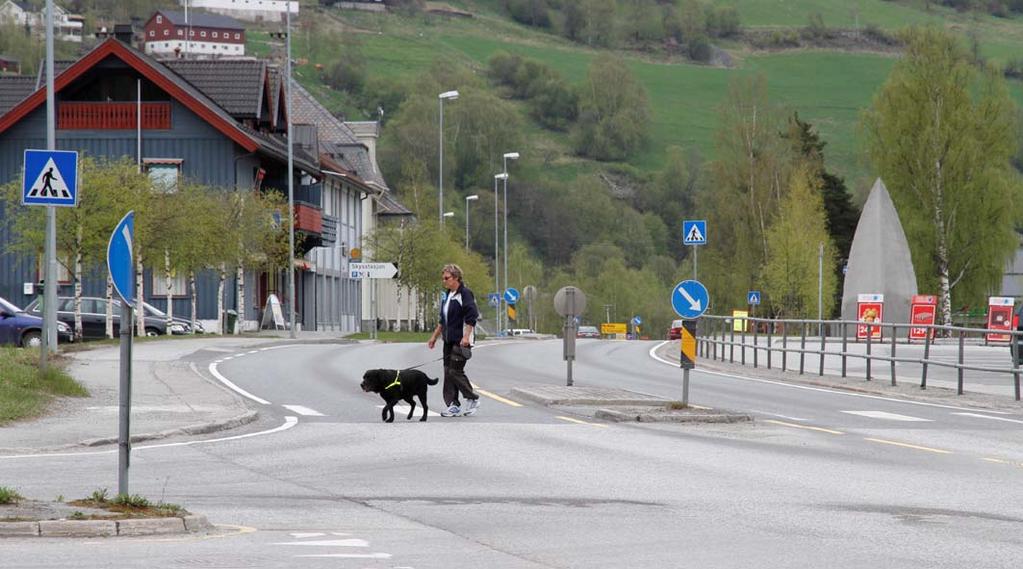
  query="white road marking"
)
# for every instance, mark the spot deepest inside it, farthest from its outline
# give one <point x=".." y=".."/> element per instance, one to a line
<point x="233" y="387"/>
<point x="289" y="422"/>
<point x="888" y="416"/>
<point x="653" y="354"/>
<point x="979" y="416"/>
<point x="398" y="409"/>
<point x="330" y="543"/>
<point x="303" y="535"/>
<point x="777" y="415"/>
<point x="351" y="555"/>
<point x="303" y="410"/>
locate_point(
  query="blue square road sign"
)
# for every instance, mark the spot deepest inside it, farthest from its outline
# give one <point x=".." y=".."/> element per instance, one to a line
<point x="694" y="232"/>
<point x="50" y="178"/>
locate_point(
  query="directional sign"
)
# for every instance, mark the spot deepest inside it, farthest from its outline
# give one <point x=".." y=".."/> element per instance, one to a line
<point x="372" y="270"/>
<point x="511" y="296"/>
<point x="120" y="260"/>
<point x="690" y="299"/>
<point x="694" y="232"/>
<point x="753" y="297"/>
<point x="50" y="178"/>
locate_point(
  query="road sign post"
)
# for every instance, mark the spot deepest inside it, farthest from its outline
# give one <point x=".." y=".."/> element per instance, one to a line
<point x="569" y="302"/>
<point x="687" y="356"/>
<point x="690" y="300"/>
<point x="120" y="263"/>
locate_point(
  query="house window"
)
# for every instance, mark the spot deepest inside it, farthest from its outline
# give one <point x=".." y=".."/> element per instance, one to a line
<point x="163" y="173"/>
<point x="152" y="33"/>
<point x="214" y="34"/>
<point x="166" y="32"/>
<point x="178" y="283"/>
<point x="202" y="34"/>
<point x="237" y="36"/>
<point x="191" y="33"/>
<point x="159" y="19"/>
<point x="180" y="33"/>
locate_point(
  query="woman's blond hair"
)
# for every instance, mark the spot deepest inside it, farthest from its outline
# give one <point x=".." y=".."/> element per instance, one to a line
<point x="453" y="270"/>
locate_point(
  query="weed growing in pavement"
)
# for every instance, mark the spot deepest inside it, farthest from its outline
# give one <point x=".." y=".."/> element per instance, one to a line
<point x="98" y="496"/>
<point x="76" y="515"/>
<point x="9" y="495"/>
<point x="676" y="405"/>
<point x="131" y="501"/>
<point x="60" y="498"/>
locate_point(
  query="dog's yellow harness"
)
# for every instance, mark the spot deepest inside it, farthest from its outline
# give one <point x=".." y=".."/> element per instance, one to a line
<point x="395" y="382"/>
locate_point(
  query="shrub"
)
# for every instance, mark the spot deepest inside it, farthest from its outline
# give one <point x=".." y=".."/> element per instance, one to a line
<point x="555" y="104"/>
<point x="503" y="67"/>
<point x="699" y="48"/>
<point x="723" y="21"/>
<point x="530" y="12"/>
<point x="348" y="74"/>
<point x="9" y="495"/>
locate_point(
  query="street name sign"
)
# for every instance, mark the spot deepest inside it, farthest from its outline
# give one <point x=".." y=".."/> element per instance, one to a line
<point x="694" y="232"/>
<point x="689" y="299"/>
<point x="50" y="178"/>
<point x="372" y="270"/>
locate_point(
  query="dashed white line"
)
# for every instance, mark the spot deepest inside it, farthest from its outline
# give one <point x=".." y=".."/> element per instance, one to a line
<point x="979" y="416"/>
<point x="351" y="555"/>
<point x="301" y="410"/>
<point x="888" y="416"/>
<point x="352" y="542"/>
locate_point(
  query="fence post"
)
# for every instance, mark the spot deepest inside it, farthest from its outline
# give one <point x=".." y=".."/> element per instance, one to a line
<point x="820" y="327"/>
<point x="845" y="345"/>
<point x="962" y="336"/>
<point x="742" y="334"/>
<point x="756" y="342"/>
<point x="769" y="326"/>
<point x="927" y="356"/>
<point x="894" y="333"/>
<point x="802" y="347"/>
<point x="731" y="346"/>
<point x="870" y="335"/>
<point x="784" y="346"/>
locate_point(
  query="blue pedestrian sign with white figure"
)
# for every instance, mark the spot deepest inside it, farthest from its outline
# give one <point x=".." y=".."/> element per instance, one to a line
<point x="690" y="299"/>
<point x="494" y="299"/>
<point x="753" y="298"/>
<point x="50" y="178"/>
<point x="120" y="259"/>
<point x="511" y="296"/>
<point x="694" y="232"/>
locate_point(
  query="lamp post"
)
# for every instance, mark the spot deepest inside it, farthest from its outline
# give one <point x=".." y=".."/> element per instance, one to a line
<point x="468" y="199"/>
<point x="440" y="170"/>
<point x="497" y="249"/>
<point x="507" y="156"/>
<point x="291" y="170"/>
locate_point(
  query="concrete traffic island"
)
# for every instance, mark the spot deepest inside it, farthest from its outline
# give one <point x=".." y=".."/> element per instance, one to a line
<point x="34" y="518"/>
<point x="621" y="405"/>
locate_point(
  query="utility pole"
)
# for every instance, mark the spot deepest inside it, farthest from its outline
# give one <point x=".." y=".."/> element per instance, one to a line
<point x="49" y="338"/>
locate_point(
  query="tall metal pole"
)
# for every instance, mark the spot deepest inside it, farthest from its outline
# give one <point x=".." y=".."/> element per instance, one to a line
<point x="466" y="223"/>
<point x="124" y="410"/>
<point x="49" y="344"/>
<point x="291" y="180"/>
<point x="695" y="249"/>
<point x="440" y="164"/>
<point x="820" y="292"/>
<point x="505" y="213"/>
<point x="497" y="255"/>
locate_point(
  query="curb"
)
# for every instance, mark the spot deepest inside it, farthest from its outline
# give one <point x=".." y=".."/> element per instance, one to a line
<point x="622" y="417"/>
<point x="525" y="394"/>
<point x="200" y="429"/>
<point x="106" y="528"/>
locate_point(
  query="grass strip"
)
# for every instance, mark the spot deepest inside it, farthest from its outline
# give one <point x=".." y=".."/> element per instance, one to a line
<point x="25" y="390"/>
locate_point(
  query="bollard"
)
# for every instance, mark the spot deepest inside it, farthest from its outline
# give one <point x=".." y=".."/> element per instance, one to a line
<point x="802" y="347"/>
<point x="961" y="340"/>
<point x="756" y="343"/>
<point x="845" y="346"/>
<point x="894" y="332"/>
<point x="731" y="346"/>
<point x="927" y="355"/>
<point x="784" y="346"/>
<point x="742" y="334"/>
<point x="870" y="335"/>
<point x="769" y="326"/>
<point x="820" y="327"/>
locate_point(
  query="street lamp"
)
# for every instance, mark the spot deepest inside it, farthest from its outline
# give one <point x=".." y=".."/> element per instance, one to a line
<point x="507" y="156"/>
<point x="468" y="199"/>
<point x="291" y="167"/>
<point x="448" y="214"/>
<point x="497" y="248"/>
<point x="440" y="170"/>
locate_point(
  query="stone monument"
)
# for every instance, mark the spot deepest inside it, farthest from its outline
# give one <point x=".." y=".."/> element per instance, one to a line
<point x="879" y="259"/>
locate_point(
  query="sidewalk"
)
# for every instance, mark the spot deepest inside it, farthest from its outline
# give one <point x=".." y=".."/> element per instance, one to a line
<point x="169" y="396"/>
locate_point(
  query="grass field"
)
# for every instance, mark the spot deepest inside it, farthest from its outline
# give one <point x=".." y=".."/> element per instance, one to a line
<point x="828" y="88"/>
<point x="24" y="391"/>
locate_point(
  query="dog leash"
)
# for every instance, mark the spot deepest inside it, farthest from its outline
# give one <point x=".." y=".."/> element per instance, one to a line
<point x="426" y="362"/>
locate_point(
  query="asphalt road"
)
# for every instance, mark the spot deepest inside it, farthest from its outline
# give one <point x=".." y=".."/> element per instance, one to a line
<point x="822" y="478"/>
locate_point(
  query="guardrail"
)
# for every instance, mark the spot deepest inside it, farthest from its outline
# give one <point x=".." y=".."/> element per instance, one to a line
<point x="942" y="347"/>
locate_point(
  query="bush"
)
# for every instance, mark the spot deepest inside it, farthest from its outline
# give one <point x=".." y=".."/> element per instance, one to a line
<point x="348" y="74"/>
<point x="1014" y="69"/>
<point x="530" y="12"/>
<point x="503" y="67"/>
<point x="877" y="35"/>
<point x="723" y="21"/>
<point x="9" y="495"/>
<point x="699" y="49"/>
<point x="555" y="104"/>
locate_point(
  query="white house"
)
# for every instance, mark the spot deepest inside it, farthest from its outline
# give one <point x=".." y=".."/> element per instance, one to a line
<point x="66" y="26"/>
<point x="248" y="10"/>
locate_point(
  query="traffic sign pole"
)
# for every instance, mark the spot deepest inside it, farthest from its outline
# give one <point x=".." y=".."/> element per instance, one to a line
<point x="50" y="285"/>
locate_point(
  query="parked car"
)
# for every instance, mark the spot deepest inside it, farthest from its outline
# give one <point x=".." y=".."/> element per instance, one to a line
<point x="587" y="332"/>
<point x="19" y="328"/>
<point x="675" y="332"/>
<point x="94" y="317"/>
<point x="520" y="332"/>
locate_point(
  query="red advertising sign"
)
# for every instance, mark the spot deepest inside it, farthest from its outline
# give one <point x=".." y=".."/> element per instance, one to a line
<point x="999" y="317"/>
<point x="869" y="308"/>
<point x="922" y="313"/>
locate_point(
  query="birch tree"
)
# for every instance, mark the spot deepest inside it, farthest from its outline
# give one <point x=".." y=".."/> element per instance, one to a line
<point x="941" y="134"/>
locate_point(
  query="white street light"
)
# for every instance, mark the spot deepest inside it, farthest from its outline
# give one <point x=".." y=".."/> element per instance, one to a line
<point x="452" y="95"/>
<point x="468" y="199"/>
<point x="497" y="248"/>
<point x="448" y="214"/>
<point x="507" y="156"/>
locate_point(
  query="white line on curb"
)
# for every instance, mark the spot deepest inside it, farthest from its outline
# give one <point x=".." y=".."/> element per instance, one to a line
<point x="233" y="387"/>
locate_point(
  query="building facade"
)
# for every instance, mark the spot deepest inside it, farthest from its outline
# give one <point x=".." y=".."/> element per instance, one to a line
<point x="170" y="33"/>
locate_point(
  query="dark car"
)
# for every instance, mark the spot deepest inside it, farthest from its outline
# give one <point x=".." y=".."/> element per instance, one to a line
<point x="587" y="332"/>
<point x="94" y="317"/>
<point x="22" y="329"/>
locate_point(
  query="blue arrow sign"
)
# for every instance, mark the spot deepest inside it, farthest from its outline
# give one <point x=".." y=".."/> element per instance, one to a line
<point x="636" y="320"/>
<point x="694" y="232"/>
<point x="753" y="297"/>
<point x="690" y="299"/>
<point x="50" y="178"/>
<point x="120" y="260"/>
<point x="511" y="296"/>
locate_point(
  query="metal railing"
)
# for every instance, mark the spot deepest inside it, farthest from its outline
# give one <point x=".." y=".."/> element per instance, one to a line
<point x="831" y="344"/>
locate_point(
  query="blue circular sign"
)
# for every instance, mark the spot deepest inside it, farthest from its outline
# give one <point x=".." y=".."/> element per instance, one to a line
<point x="637" y="320"/>
<point x="511" y="296"/>
<point x="690" y="299"/>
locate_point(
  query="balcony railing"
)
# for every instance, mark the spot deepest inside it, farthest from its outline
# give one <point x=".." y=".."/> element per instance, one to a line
<point x="112" y="116"/>
<point x="308" y="219"/>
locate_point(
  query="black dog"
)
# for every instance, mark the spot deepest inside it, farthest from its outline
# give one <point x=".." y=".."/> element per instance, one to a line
<point x="397" y="384"/>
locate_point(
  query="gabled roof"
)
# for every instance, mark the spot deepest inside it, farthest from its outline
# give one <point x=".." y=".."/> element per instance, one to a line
<point x="237" y="85"/>
<point x="199" y="19"/>
<point x="14" y="89"/>
<point x="152" y="70"/>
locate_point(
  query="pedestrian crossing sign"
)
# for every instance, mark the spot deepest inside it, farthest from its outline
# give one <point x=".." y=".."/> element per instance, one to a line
<point x="50" y="178"/>
<point x="694" y="232"/>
